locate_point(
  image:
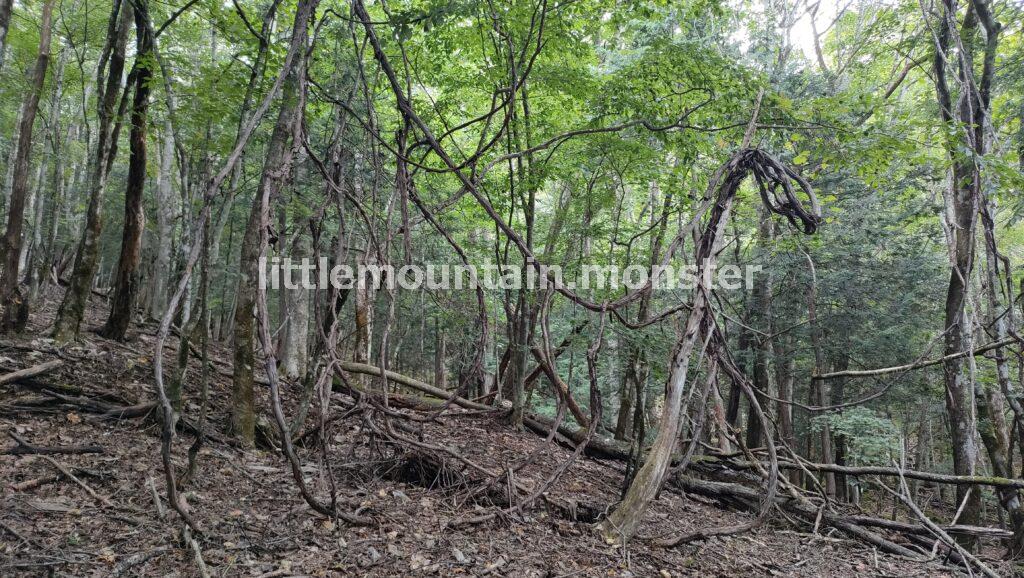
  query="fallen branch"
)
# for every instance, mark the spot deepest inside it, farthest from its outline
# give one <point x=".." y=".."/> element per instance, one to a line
<point x="915" y="365"/>
<point x="904" y="496"/>
<point x="30" y="371"/>
<point x="598" y="446"/>
<point x="35" y="483"/>
<point x="67" y="473"/>
<point x="918" y="529"/>
<point x="139" y="558"/>
<point x="25" y="448"/>
<point x="412" y="383"/>
<point x="749" y="499"/>
<point x="874" y="471"/>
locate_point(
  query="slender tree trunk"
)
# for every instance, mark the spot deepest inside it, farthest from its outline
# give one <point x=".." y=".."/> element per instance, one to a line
<point x="623" y="522"/>
<point x="732" y="412"/>
<point x="44" y="217"/>
<point x="760" y="317"/>
<point x="963" y="204"/>
<point x="296" y="335"/>
<point x="164" y="196"/>
<point x="721" y="431"/>
<point x="838" y="396"/>
<point x="37" y="201"/>
<point x="621" y="525"/>
<point x="637" y="369"/>
<point x="992" y="426"/>
<point x="275" y="173"/>
<point x="6" y="7"/>
<point x="15" y="314"/>
<point x="785" y="377"/>
<point x="127" y="278"/>
<point x="72" y="307"/>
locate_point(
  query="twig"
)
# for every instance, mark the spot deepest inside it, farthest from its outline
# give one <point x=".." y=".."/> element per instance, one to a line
<point x="17" y="534"/>
<point x="187" y="534"/>
<point x="138" y="558"/>
<point x="916" y="365"/>
<point x="160" y="512"/>
<point x="64" y="470"/>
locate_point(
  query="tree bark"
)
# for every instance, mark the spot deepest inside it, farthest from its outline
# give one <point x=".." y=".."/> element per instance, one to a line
<point x="817" y="388"/>
<point x="15" y="314"/>
<point x="296" y="335"/>
<point x="72" y="307"/>
<point x="620" y="526"/>
<point x="785" y="377"/>
<point x="274" y="176"/>
<point x="760" y="316"/>
<point x="837" y="397"/>
<point x="127" y="278"/>
<point x="164" y="196"/>
<point x="963" y="198"/>
<point x="6" y="7"/>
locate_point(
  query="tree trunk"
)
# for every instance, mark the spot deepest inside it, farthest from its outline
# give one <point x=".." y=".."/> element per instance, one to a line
<point x="962" y="199"/>
<point x="72" y="307"/>
<point x="440" y="354"/>
<point x="15" y="314"/>
<point x="127" y="278"/>
<point x="44" y="217"/>
<point x="296" y="355"/>
<point x="164" y="196"/>
<point x="760" y="317"/>
<point x="817" y="388"/>
<point x="838" y="396"/>
<point x="33" y="238"/>
<point x="621" y="525"/>
<point x="275" y="173"/>
<point x="784" y="371"/>
<point x="6" y="7"/>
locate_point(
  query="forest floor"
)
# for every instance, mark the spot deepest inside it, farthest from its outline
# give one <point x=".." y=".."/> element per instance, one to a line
<point x="256" y="523"/>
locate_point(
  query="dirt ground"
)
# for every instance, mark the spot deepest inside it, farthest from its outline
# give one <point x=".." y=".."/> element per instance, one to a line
<point x="255" y="523"/>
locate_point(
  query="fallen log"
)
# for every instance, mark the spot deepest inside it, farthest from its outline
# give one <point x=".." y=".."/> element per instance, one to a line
<point x="919" y="529"/>
<point x="872" y="471"/>
<point x="598" y="447"/>
<point x="30" y="371"/>
<point x="23" y="447"/>
<point x="412" y="383"/>
<point x="736" y="494"/>
<point x="750" y="499"/>
<point x="602" y="447"/>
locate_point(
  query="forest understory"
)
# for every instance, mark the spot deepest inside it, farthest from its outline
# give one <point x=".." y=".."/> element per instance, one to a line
<point x="438" y="510"/>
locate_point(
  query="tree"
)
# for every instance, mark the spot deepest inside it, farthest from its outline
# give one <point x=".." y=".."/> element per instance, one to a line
<point x="126" y="281"/>
<point x="108" y="83"/>
<point x="275" y="175"/>
<point x="15" y="314"/>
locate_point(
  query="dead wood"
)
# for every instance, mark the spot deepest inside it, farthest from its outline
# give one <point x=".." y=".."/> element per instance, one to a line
<point x="30" y="371"/>
<point x="873" y="471"/>
<point x="22" y="447"/>
<point x="67" y="473"/>
<point x="916" y="365"/>
<point x="598" y="446"/>
<point x="918" y="529"/>
<point x="750" y="499"/>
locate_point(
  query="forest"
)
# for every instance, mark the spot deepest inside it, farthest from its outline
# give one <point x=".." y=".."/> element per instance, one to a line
<point x="512" y="287"/>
